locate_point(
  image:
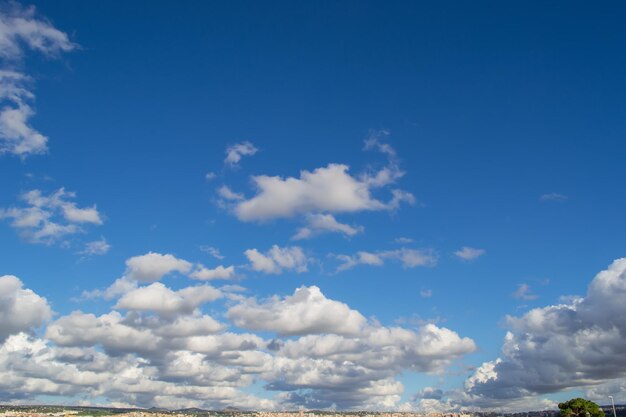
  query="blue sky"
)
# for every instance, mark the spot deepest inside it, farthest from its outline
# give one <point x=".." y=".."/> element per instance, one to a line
<point x="389" y="138"/>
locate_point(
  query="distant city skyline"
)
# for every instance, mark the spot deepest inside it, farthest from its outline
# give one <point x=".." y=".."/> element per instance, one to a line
<point x="403" y="207"/>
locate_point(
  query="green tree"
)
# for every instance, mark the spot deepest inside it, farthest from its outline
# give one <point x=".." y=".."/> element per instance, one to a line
<point x="579" y="407"/>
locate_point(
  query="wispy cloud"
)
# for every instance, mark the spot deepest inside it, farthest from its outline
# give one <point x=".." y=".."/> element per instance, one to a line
<point x="524" y="292"/>
<point x="48" y="218"/>
<point x="556" y="197"/>
<point x="426" y="293"/>
<point x="213" y="251"/>
<point x="235" y="152"/>
<point x="468" y="253"/>
<point x="325" y="223"/>
<point x="96" y="247"/>
<point x="409" y="258"/>
<point x="22" y="30"/>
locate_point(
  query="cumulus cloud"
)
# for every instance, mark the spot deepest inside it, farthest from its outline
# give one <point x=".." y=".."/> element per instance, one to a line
<point x="108" y="330"/>
<point x="357" y="370"/>
<point x="278" y="259"/>
<point x="342" y="360"/>
<point x="307" y="311"/>
<point x="162" y="300"/>
<point x="48" y="218"/>
<point x="409" y="258"/>
<point x="159" y="349"/>
<point x="330" y="189"/>
<point x="325" y="223"/>
<point x="580" y="343"/>
<point x="220" y="272"/>
<point x="153" y="266"/>
<point x="429" y="393"/>
<point x="317" y="196"/>
<point x="21" y="30"/>
<point x="467" y="253"/>
<point x="120" y="286"/>
<point x="235" y="152"/>
<point x="20" y="308"/>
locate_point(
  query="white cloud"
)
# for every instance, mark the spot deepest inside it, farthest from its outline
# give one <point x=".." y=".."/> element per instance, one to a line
<point x="162" y="300"/>
<point x="48" y="218"/>
<point x="403" y="240"/>
<point x="278" y="259"/>
<point x="235" y="152"/>
<point x="426" y="293"/>
<point x="325" y="190"/>
<point x="558" y="347"/>
<point x="19" y="26"/>
<point x="468" y="253"/>
<point x="120" y="286"/>
<point x="16" y="135"/>
<point x="210" y="176"/>
<point x="553" y="197"/>
<point x="187" y="326"/>
<point x="323" y="223"/>
<point x="108" y="330"/>
<point x="375" y="141"/>
<point x="324" y="354"/>
<point x="229" y="195"/>
<point x="220" y="272"/>
<point x="524" y="292"/>
<point x="153" y="266"/>
<point x="398" y="197"/>
<point x="307" y="311"/>
<point x="20" y="29"/>
<point x="346" y="368"/>
<point x="214" y="252"/>
<point x="20" y="308"/>
<point x="409" y="258"/>
<point x="96" y="247"/>
<point x="391" y="172"/>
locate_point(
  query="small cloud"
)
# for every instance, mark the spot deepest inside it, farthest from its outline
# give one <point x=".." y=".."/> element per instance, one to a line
<point x="426" y="293"/>
<point x="559" y="198"/>
<point x="97" y="247"/>
<point x="214" y="252"/>
<point x="278" y="259"/>
<point x="523" y="292"/>
<point x="235" y="152"/>
<point x="325" y="223"/>
<point x="468" y="253"/>
<point x="375" y="140"/>
<point x="403" y="240"/>
<point x="409" y="258"/>
<point x="203" y="273"/>
<point x="210" y="176"/>
<point x="229" y="195"/>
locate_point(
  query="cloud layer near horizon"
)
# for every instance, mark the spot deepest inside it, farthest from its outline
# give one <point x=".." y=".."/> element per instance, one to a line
<point x="158" y="346"/>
